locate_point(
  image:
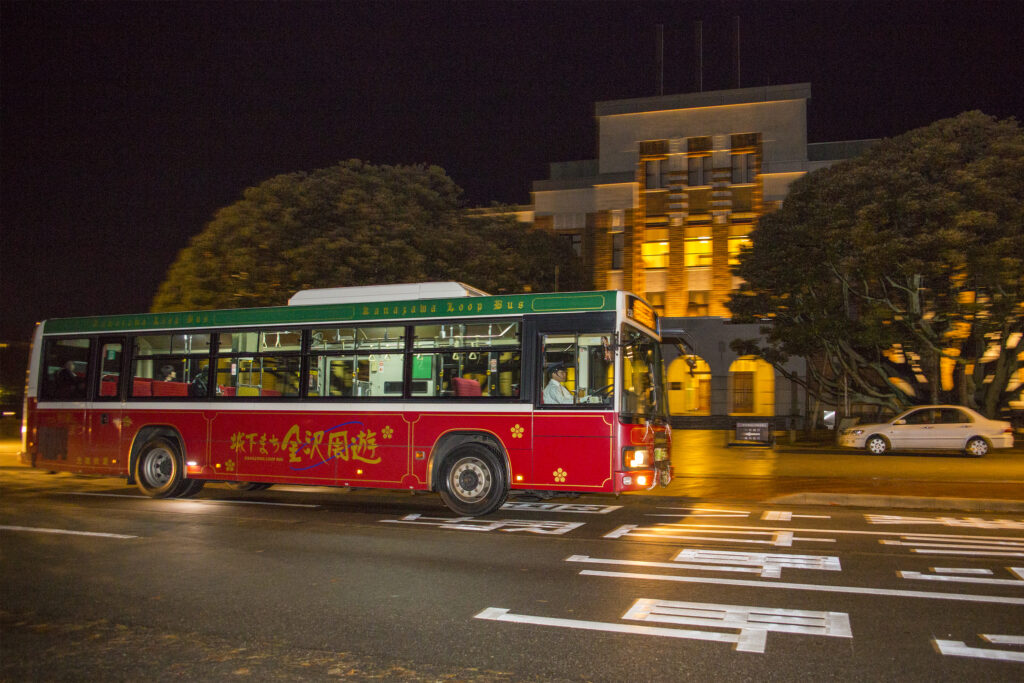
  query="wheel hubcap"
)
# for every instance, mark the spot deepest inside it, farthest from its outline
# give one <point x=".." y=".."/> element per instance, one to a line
<point x="470" y="479"/>
<point x="159" y="467"/>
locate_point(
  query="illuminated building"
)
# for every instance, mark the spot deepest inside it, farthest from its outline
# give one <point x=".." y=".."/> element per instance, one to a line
<point x="664" y="210"/>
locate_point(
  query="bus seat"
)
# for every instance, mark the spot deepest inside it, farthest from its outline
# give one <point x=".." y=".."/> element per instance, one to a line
<point x="170" y="389"/>
<point x="227" y="391"/>
<point x="466" y="387"/>
<point x="108" y="387"/>
<point x="142" y="386"/>
<point x="271" y="392"/>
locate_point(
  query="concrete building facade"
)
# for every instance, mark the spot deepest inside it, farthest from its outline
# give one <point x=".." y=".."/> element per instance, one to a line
<point x="678" y="185"/>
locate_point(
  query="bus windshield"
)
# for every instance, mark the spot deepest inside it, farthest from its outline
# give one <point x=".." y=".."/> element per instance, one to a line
<point x="643" y="385"/>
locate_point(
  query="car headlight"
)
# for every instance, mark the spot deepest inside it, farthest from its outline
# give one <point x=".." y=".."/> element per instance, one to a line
<point x="635" y="457"/>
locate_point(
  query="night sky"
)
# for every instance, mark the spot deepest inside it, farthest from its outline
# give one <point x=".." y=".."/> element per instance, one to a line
<point x="125" y="126"/>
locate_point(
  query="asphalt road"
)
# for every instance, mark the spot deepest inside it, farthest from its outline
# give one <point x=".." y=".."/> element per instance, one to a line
<point x="99" y="583"/>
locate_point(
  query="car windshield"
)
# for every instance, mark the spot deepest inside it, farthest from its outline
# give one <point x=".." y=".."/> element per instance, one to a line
<point x="643" y="381"/>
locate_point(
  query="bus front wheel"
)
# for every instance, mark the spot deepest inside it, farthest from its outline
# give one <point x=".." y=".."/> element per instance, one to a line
<point x="158" y="470"/>
<point x="472" y="481"/>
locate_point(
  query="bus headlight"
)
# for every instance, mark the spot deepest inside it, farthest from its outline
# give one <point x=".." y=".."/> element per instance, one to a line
<point x="635" y="457"/>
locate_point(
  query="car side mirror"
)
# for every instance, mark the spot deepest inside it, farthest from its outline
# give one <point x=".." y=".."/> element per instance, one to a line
<point x="900" y="422"/>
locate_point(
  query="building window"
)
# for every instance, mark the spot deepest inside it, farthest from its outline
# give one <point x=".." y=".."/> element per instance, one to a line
<point x="576" y="243"/>
<point x="656" y="203"/>
<point x="698" y="171"/>
<point x="618" y="240"/>
<point x="743" y="199"/>
<point x="657" y="300"/>
<point x="743" y="168"/>
<point x="617" y="220"/>
<point x="650" y="148"/>
<point x="743" y="392"/>
<point x="655" y="254"/>
<point x="698" y="201"/>
<point x="655" y="172"/>
<point x="698" y="253"/>
<point x="744" y="140"/>
<point x="701" y="144"/>
<point x="735" y="244"/>
<point x="698" y="303"/>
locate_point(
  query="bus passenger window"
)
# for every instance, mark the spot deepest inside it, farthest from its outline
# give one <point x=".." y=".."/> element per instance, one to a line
<point x="65" y="365"/>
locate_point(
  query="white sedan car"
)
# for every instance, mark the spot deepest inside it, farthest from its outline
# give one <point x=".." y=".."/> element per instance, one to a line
<point x="952" y="428"/>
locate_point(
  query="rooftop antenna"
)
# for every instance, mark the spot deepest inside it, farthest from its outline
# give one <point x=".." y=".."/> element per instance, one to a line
<point x="698" y="38"/>
<point x="660" y="57"/>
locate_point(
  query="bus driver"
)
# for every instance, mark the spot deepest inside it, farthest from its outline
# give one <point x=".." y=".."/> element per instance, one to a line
<point x="555" y="392"/>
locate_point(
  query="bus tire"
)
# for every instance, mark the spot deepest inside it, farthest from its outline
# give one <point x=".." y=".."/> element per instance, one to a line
<point x="190" y="487"/>
<point x="473" y="480"/>
<point x="158" y="469"/>
<point x="248" y="485"/>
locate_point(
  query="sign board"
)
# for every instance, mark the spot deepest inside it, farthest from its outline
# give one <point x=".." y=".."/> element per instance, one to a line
<point x="754" y="432"/>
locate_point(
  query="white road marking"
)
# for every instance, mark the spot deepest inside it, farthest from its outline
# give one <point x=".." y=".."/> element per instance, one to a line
<point x="41" y="530"/>
<point x="767" y="565"/>
<point x="562" y="507"/>
<point x="702" y="512"/>
<point x="753" y="623"/>
<point x="785" y="516"/>
<point x="929" y="544"/>
<point x="858" y="590"/>
<point x="188" y="500"/>
<point x="774" y="537"/>
<point x="849" y="532"/>
<point x="997" y="639"/>
<point x="958" y="648"/>
<point x="960" y="579"/>
<point x="962" y="570"/>
<point x="964" y="522"/>
<point x="533" y="526"/>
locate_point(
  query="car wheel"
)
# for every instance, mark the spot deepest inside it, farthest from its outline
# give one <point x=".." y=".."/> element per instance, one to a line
<point x="158" y="471"/>
<point x="472" y="481"/>
<point x="877" y="445"/>
<point x="977" y="447"/>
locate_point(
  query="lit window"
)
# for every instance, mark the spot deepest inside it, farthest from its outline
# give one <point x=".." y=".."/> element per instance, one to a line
<point x="698" y="253"/>
<point x="735" y="244"/>
<point x="655" y="254"/>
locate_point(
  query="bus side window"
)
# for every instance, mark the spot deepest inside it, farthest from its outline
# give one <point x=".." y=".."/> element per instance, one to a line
<point x="65" y="366"/>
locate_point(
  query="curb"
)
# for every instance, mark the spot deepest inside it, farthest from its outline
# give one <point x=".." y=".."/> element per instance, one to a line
<point x="906" y="502"/>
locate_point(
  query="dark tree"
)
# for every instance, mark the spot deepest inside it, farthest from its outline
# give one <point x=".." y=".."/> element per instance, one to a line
<point x="357" y="224"/>
<point x="900" y="274"/>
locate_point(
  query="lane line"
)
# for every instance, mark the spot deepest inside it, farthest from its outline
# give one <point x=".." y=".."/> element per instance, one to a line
<point x="857" y="590"/>
<point x="846" y="531"/>
<point x="187" y="500"/>
<point x="958" y="648"/>
<point x="41" y="530"/>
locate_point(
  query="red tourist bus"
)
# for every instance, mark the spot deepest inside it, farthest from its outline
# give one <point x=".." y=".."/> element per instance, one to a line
<point x="432" y="387"/>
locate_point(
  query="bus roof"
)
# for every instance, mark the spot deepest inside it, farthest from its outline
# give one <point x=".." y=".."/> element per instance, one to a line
<point x="383" y="311"/>
<point x="381" y="293"/>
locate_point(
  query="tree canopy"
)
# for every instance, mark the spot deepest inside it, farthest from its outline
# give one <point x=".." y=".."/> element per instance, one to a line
<point x="358" y="224"/>
<point x="900" y="274"/>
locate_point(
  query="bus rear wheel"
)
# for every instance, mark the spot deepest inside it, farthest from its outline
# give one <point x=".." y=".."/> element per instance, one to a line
<point x="473" y="481"/>
<point x="158" y="470"/>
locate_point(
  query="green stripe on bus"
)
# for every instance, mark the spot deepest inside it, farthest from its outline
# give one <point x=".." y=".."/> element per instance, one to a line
<point x="324" y="313"/>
